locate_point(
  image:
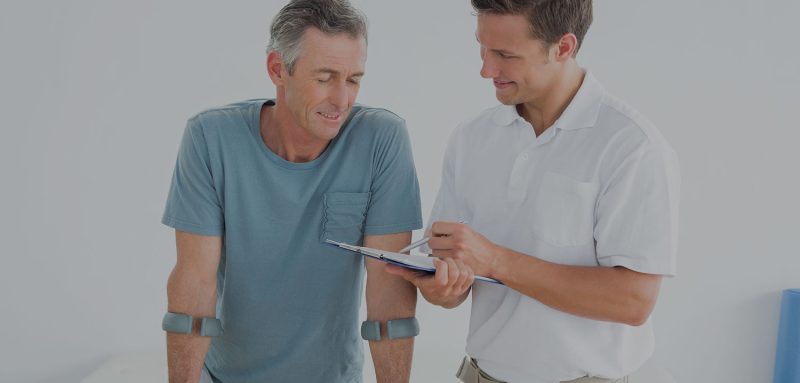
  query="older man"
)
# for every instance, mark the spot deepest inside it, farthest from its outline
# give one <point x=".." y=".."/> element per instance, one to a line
<point x="259" y="186"/>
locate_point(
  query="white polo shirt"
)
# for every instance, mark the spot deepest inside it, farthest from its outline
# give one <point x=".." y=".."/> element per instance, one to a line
<point x="598" y="188"/>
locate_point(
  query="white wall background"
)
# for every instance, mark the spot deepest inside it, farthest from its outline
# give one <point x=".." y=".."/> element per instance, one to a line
<point x="94" y="96"/>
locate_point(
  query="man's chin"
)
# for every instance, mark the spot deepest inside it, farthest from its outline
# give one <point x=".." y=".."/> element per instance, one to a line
<point x="328" y="124"/>
<point x="328" y="132"/>
<point x="506" y="99"/>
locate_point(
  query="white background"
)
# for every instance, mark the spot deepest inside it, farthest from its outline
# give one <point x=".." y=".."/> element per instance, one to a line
<point x="95" y="94"/>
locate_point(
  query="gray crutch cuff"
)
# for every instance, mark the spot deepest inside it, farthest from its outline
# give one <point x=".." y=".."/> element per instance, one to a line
<point x="182" y="324"/>
<point x="395" y="329"/>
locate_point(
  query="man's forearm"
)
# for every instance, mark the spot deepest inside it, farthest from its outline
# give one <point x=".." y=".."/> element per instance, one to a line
<point x="396" y="300"/>
<point x="186" y="353"/>
<point x="611" y="294"/>
<point x="389" y="297"/>
<point x="185" y="357"/>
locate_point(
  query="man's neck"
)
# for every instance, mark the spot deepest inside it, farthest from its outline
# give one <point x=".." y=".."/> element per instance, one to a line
<point x="544" y="112"/>
<point x="285" y="138"/>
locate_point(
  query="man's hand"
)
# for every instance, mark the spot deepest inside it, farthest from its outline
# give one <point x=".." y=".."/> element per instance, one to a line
<point x="448" y="287"/>
<point x="458" y="241"/>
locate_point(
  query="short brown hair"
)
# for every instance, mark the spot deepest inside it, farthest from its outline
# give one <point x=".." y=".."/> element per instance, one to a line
<point x="548" y="19"/>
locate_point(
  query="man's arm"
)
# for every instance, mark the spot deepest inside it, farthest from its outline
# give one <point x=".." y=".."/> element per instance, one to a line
<point x="191" y="289"/>
<point x="614" y="294"/>
<point x="389" y="297"/>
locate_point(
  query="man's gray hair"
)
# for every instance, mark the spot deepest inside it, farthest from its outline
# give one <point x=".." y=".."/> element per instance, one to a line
<point x="329" y="16"/>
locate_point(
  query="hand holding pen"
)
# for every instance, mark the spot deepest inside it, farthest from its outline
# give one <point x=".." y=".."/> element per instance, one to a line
<point x="414" y="245"/>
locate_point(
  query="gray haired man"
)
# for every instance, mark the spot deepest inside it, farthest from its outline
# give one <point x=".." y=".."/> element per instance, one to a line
<point x="256" y="294"/>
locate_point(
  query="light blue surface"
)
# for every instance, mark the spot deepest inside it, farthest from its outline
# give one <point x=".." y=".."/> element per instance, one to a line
<point x="288" y="301"/>
<point x="787" y="356"/>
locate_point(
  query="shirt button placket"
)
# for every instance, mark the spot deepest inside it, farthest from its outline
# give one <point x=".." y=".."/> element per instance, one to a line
<point x="516" y="186"/>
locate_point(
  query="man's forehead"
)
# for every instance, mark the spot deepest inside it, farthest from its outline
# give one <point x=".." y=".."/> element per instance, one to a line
<point x="315" y="37"/>
<point x="497" y="43"/>
<point x="503" y="28"/>
<point x="338" y="53"/>
<point x="501" y="36"/>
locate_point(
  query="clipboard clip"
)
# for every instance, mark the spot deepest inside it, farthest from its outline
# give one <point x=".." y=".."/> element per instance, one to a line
<point x="357" y="249"/>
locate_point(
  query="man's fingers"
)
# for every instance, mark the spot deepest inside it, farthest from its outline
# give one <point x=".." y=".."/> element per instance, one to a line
<point x="469" y="278"/>
<point x="463" y="272"/>
<point x="441" y="275"/>
<point x="454" y="272"/>
<point x="444" y="228"/>
<point x="442" y="254"/>
<point x="440" y="243"/>
<point x="440" y="228"/>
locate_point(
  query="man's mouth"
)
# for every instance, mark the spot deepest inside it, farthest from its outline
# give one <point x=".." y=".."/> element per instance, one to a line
<point x="502" y="84"/>
<point x="333" y="116"/>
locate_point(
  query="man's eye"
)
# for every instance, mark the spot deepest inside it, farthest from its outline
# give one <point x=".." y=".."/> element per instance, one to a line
<point x="323" y="80"/>
<point x="354" y="81"/>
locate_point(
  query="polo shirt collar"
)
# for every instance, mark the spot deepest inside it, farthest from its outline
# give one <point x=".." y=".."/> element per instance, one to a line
<point x="581" y="112"/>
<point x="506" y="115"/>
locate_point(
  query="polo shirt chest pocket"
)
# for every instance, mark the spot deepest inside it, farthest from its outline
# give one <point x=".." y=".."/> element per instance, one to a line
<point x="564" y="211"/>
<point x="343" y="217"/>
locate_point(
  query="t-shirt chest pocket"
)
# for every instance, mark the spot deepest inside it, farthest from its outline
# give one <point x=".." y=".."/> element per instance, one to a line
<point x="343" y="217"/>
<point x="563" y="213"/>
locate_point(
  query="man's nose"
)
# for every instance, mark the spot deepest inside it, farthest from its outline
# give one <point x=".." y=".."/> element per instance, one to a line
<point x="339" y="96"/>
<point x="488" y="70"/>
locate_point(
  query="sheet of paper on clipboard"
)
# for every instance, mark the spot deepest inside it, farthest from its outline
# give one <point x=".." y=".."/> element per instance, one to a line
<point x="416" y="262"/>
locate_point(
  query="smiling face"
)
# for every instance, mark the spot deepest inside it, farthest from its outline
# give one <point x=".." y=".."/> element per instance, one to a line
<point x="320" y="93"/>
<point x="522" y="68"/>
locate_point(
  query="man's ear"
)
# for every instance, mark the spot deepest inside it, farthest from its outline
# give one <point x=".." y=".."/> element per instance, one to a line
<point x="276" y="69"/>
<point x="566" y="47"/>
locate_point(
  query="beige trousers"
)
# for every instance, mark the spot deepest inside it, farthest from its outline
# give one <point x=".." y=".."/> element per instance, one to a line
<point x="469" y="372"/>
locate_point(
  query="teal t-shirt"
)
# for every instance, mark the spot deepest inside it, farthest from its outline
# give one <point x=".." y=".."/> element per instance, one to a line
<point x="289" y="302"/>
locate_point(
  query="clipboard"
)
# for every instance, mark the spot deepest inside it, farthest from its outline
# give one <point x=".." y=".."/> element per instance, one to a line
<point x="414" y="262"/>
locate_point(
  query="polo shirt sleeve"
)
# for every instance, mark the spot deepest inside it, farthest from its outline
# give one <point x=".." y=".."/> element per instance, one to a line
<point x="193" y="204"/>
<point x="637" y="212"/>
<point x="394" y="205"/>
<point x="445" y="208"/>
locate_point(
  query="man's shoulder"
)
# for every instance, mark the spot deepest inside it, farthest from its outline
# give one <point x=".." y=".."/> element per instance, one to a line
<point x="629" y="131"/>
<point x="623" y="120"/>
<point x="224" y="116"/>
<point x="369" y="121"/>
<point x="478" y="126"/>
<point x="364" y="114"/>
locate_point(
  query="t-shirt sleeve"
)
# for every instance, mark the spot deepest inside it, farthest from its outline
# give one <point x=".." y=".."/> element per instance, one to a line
<point x="193" y="204"/>
<point x="637" y="213"/>
<point x="394" y="205"/>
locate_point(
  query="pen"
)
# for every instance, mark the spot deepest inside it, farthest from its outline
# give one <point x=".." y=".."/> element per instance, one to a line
<point x="414" y="245"/>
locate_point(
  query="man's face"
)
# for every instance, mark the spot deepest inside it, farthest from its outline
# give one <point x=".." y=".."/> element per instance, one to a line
<point x="321" y="91"/>
<point x="519" y="65"/>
